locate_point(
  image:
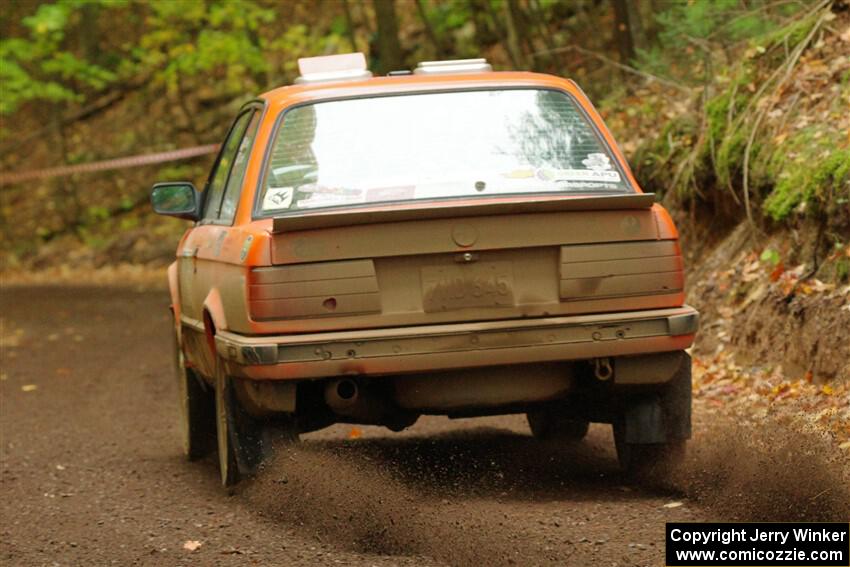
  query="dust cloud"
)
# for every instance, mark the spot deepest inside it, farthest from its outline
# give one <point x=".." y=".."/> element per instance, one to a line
<point x="772" y="471"/>
<point x="450" y="495"/>
<point x="356" y="498"/>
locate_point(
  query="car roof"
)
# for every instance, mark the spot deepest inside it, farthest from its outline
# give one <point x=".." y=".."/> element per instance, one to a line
<point x="376" y="86"/>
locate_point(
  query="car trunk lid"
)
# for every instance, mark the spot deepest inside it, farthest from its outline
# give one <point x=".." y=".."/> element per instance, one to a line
<point x="470" y="262"/>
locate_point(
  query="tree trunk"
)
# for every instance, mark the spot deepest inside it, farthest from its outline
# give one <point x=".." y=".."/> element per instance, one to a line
<point x="539" y="22"/>
<point x="389" y="54"/>
<point x="90" y="13"/>
<point x="651" y="10"/>
<point x="514" y="35"/>
<point x="70" y="207"/>
<point x="636" y="25"/>
<point x="349" y="25"/>
<point x="486" y="30"/>
<point x="429" y="30"/>
<point x="623" y="31"/>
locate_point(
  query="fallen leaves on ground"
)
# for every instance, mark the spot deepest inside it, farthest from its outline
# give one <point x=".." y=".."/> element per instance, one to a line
<point x="749" y="279"/>
<point x="192" y="545"/>
<point x="355" y="433"/>
<point x="753" y="394"/>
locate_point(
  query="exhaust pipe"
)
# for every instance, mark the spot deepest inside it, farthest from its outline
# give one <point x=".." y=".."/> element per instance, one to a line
<point x="349" y="398"/>
<point x="342" y="394"/>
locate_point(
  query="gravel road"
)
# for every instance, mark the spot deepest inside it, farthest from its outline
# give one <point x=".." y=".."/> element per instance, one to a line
<point x="92" y="472"/>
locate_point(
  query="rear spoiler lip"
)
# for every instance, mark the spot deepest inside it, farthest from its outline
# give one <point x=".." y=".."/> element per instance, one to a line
<point x="448" y="209"/>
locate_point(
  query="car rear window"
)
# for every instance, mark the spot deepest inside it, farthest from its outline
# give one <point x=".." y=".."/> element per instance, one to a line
<point x="435" y="146"/>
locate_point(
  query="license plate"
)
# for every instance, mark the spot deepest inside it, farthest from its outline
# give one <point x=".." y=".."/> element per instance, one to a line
<point x="482" y="284"/>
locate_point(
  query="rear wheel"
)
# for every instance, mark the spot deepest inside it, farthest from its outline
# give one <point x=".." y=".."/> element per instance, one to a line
<point x="197" y="410"/>
<point x="239" y="434"/>
<point x="244" y="441"/>
<point x="549" y="424"/>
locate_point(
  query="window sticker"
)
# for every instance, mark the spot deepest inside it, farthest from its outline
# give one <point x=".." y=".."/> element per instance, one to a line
<point x="390" y="193"/>
<point x="601" y="175"/>
<point x="588" y="185"/>
<point x="278" y="198"/>
<point x="522" y="173"/>
<point x="312" y="196"/>
<point x="598" y="162"/>
<point x="321" y="190"/>
<point x="323" y="201"/>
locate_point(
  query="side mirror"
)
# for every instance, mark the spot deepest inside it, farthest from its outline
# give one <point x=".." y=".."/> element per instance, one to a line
<point x="179" y="199"/>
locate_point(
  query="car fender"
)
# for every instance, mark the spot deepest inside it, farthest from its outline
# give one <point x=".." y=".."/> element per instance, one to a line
<point x="174" y="291"/>
<point x="214" y="319"/>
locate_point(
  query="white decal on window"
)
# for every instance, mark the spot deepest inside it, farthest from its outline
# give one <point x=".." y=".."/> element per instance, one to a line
<point x="597" y="162"/>
<point x="277" y="198"/>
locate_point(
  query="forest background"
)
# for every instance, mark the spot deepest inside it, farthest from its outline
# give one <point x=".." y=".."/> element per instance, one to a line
<point x="735" y="112"/>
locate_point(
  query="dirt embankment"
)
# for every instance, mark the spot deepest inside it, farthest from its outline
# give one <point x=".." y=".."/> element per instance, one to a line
<point x="766" y="312"/>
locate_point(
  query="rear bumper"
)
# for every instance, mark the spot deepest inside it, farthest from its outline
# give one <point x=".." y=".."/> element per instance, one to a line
<point x="463" y="345"/>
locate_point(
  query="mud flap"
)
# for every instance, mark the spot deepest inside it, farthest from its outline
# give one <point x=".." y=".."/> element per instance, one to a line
<point x="246" y="436"/>
<point x="665" y="417"/>
<point x="644" y="422"/>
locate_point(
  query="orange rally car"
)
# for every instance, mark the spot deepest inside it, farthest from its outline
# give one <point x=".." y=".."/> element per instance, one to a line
<point x="449" y="241"/>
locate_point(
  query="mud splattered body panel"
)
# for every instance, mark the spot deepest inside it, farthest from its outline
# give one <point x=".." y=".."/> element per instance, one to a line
<point x="514" y="266"/>
<point x="307" y="283"/>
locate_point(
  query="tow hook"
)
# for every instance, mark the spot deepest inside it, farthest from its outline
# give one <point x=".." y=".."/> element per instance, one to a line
<point x="602" y="368"/>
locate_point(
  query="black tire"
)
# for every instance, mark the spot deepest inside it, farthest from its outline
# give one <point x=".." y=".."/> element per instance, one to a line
<point x="547" y="424"/>
<point x="240" y="436"/>
<point x="197" y="410"/>
<point x="647" y="460"/>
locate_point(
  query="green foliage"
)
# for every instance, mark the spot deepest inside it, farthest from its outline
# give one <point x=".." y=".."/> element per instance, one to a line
<point x="789" y="171"/>
<point x="300" y="40"/>
<point x="818" y="177"/>
<point x="730" y="156"/>
<point x="693" y="37"/>
<point x="180" y="67"/>
<point x="37" y="68"/>
<point x="683" y="20"/>
<point x="185" y="39"/>
<point x="842" y="269"/>
<point x="180" y="171"/>
<point x="721" y="109"/>
<point x="128" y="223"/>
<point x="92" y="238"/>
<point x="770" y="256"/>
<point x="97" y="213"/>
<point x="190" y="38"/>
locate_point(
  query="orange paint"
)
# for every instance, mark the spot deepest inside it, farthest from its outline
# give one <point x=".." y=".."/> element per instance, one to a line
<point x="226" y="253"/>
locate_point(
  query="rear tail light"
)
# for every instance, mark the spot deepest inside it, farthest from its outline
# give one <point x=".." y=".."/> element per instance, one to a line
<point x="621" y="269"/>
<point x="314" y="290"/>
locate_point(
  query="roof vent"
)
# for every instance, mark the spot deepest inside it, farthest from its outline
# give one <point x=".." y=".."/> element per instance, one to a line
<point x="455" y="66"/>
<point x="343" y="67"/>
